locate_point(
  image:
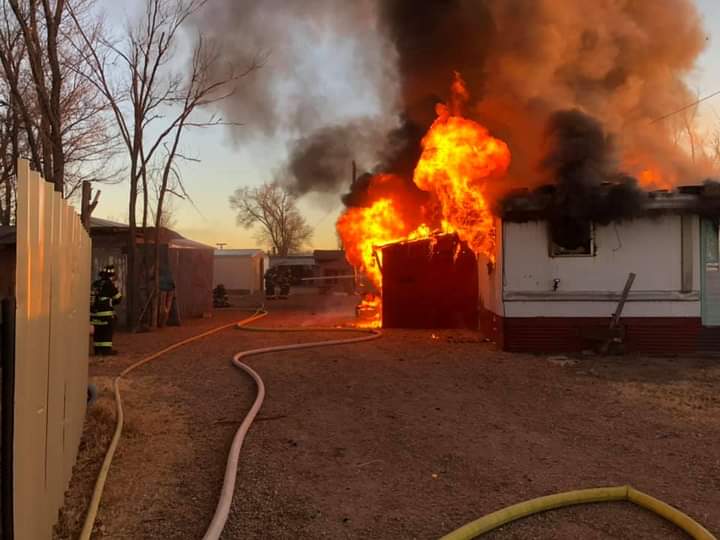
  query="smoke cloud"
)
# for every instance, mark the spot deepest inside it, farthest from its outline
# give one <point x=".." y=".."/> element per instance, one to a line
<point x="552" y="78"/>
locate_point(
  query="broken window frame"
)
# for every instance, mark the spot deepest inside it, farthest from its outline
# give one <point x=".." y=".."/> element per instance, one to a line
<point x="557" y="251"/>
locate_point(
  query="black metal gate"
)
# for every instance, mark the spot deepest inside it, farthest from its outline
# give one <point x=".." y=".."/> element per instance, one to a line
<point x="7" y="364"/>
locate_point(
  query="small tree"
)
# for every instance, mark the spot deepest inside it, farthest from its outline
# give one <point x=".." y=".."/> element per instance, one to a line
<point x="271" y="206"/>
<point x="153" y="98"/>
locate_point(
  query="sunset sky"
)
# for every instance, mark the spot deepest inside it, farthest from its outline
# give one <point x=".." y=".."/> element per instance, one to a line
<point x="227" y="164"/>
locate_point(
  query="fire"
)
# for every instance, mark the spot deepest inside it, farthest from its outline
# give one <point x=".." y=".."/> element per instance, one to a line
<point x="370" y="312"/>
<point x="362" y="229"/>
<point x="653" y="178"/>
<point x="459" y="158"/>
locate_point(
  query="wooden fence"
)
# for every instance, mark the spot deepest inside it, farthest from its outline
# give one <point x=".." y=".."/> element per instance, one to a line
<point x="51" y="351"/>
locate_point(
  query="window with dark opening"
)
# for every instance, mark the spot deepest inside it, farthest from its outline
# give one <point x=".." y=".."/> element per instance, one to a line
<point x="572" y="237"/>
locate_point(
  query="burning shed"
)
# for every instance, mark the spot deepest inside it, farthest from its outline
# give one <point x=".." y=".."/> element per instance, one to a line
<point x="429" y="283"/>
<point x="555" y="288"/>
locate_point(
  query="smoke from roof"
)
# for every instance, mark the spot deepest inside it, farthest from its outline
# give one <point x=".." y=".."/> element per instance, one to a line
<point x="609" y="65"/>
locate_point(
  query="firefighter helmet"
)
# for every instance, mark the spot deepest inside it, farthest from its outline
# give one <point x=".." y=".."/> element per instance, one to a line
<point x="108" y="271"/>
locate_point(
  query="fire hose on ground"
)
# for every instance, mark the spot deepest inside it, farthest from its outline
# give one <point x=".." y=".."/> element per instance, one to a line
<point x="94" y="505"/>
<point x="470" y="530"/>
<point x="583" y="496"/>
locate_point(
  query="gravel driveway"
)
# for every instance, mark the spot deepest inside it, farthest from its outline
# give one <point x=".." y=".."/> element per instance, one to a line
<point x="409" y="436"/>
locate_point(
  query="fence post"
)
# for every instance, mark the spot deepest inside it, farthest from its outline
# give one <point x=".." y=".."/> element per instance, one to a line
<point x="7" y="356"/>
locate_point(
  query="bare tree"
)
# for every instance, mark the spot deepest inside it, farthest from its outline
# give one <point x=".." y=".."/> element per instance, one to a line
<point x="49" y="112"/>
<point x="39" y="24"/>
<point x="271" y="206"/>
<point x="153" y="101"/>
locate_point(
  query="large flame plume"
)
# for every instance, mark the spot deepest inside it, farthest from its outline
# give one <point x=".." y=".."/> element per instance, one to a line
<point x="459" y="159"/>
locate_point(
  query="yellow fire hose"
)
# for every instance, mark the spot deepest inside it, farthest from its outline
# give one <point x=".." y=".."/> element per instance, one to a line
<point x="471" y="530"/>
<point x="584" y="496"/>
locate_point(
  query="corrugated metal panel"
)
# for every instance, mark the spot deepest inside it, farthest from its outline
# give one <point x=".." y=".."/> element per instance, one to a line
<point x="192" y="271"/>
<point x="430" y="284"/>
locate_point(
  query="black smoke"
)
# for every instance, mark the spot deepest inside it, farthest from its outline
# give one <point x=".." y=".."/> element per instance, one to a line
<point x="432" y="40"/>
<point x="522" y="60"/>
<point x="584" y="182"/>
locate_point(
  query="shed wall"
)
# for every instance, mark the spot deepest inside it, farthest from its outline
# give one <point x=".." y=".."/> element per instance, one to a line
<point x="429" y="284"/>
<point x="192" y="271"/>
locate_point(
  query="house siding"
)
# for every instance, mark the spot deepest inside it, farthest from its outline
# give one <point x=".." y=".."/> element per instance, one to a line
<point x="662" y="314"/>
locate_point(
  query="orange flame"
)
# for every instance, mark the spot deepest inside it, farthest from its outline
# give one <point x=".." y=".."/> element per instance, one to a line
<point x="459" y="158"/>
<point x="371" y="304"/>
<point x="460" y="161"/>
<point x="362" y="229"/>
<point x="653" y="178"/>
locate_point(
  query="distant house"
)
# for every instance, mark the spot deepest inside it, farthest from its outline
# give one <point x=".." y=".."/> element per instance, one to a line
<point x="239" y="270"/>
<point x="554" y="289"/>
<point x="299" y="266"/>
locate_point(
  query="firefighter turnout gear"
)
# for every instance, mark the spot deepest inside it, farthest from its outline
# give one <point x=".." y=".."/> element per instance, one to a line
<point x="270" y="277"/>
<point x="277" y="283"/>
<point x="105" y="296"/>
<point x="283" y="284"/>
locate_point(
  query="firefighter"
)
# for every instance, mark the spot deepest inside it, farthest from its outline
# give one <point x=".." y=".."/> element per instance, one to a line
<point x="283" y="283"/>
<point x="270" y="283"/>
<point x="105" y="295"/>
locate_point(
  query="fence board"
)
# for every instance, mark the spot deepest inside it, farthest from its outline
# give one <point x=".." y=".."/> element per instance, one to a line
<point x="52" y="322"/>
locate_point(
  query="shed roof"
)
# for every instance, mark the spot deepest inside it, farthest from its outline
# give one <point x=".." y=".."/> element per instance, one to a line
<point x="184" y="243"/>
<point x="100" y="223"/>
<point x="292" y="260"/>
<point x="239" y="252"/>
<point x="329" y="255"/>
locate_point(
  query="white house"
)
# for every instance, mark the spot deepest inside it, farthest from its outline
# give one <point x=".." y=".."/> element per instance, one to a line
<point x="539" y="296"/>
<point x="240" y="270"/>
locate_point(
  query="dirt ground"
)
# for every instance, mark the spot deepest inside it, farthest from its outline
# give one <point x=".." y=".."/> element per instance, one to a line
<point x="408" y="436"/>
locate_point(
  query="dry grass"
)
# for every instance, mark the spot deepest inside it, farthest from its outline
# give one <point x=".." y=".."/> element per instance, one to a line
<point x="96" y="437"/>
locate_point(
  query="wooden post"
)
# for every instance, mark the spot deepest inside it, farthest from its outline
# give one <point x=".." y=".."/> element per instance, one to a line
<point x="605" y="347"/>
<point x="85" y="205"/>
<point x="623" y="298"/>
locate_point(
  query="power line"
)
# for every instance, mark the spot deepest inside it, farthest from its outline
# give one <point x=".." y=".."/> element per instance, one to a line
<point x="686" y="107"/>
